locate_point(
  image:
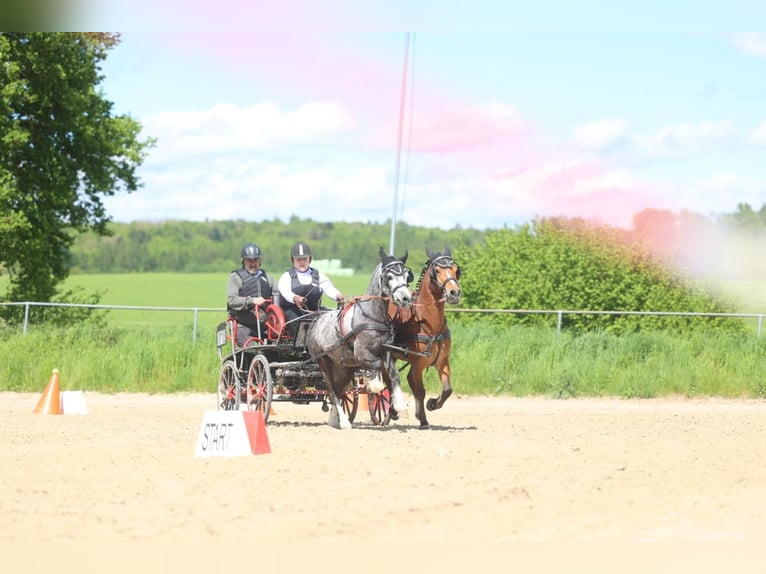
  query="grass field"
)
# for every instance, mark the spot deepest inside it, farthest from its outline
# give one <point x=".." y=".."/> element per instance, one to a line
<point x="199" y="290"/>
<point x="195" y="291"/>
<point x="157" y="354"/>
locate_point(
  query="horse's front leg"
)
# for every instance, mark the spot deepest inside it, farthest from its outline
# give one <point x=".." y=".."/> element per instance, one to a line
<point x="442" y="367"/>
<point x="415" y="380"/>
<point x="391" y="376"/>
<point x="367" y="355"/>
<point x="338" y="418"/>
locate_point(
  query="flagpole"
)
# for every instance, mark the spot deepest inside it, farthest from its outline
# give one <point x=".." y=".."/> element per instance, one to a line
<point x="399" y="139"/>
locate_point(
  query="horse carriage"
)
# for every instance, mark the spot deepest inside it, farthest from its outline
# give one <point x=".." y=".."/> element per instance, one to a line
<point x="334" y="356"/>
<point x="276" y="366"/>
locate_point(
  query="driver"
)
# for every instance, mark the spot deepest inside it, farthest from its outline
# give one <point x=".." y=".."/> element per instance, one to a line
<point x="247" y="288"/>
<point x="301" y="287"/>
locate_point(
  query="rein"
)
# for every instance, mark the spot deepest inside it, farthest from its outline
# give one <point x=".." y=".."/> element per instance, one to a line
<point x="372" y="324"/>
<point x="429" y="340"/>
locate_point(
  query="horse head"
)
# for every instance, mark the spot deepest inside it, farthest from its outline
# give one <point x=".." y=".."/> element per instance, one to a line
<point x="445" y="274"/>
<point x="395" y="278"/>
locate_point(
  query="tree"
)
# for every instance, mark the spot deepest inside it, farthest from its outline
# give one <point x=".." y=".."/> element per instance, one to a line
<point x="747" y="220"/>
<point x="560" y="263"/>
<point x="61" y="150"/>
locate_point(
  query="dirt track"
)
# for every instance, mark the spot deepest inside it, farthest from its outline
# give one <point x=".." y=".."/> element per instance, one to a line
<point x="490" y="471"/>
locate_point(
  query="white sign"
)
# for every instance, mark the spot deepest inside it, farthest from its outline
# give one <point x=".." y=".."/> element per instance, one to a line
<point x="73" y="403"/>
<point x="232" y="433"/>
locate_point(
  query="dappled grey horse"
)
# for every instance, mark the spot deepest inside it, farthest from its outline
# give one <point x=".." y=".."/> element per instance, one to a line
<point x="354" y="338"/>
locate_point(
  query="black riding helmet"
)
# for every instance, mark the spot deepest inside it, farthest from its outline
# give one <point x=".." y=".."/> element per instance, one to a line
<point x="300" y="249"/>
<point x="250" y="251"/>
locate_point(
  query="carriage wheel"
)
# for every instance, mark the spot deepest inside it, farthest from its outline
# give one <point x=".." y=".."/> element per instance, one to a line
<point x="349" y="400"/>
<point x="260" y="387"/>
<point x="229" y="387"/>
<point x="380" y="407"/>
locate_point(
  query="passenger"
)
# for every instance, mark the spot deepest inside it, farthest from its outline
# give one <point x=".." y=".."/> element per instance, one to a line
<point x="301" y="287"/>
<point x="247" y="288"/>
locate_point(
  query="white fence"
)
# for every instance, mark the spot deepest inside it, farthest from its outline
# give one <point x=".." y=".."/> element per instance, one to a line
<point x="560" y="313"/>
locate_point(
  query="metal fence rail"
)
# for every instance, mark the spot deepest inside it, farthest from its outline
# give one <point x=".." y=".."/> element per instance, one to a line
<point x="561" y="312"/>
<point x="558" y="312"/>
<point x="195" y="310"/>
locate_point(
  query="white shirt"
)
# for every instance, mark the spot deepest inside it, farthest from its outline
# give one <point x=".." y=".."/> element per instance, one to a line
<point x="304" y="278"/>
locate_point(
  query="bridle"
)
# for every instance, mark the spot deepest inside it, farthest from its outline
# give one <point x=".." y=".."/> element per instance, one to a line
<point x="444" y="262"/>
<point x="399" y="269"/>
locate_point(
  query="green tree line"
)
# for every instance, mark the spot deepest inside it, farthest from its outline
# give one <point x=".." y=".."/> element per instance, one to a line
<point x="214" y="246"/>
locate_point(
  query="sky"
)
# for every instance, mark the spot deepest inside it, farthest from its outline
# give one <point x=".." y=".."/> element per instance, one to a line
<point x="441" y="127"/>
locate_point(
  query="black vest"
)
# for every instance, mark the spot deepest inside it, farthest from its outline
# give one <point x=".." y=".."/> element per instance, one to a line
<point x="252" y="286"/>
<point x="312" y="292"/>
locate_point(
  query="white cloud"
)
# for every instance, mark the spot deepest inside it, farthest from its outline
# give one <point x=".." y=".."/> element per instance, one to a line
<point x="721" y="192"/>
<point x="610" y="180"/>
<point x="684" y="139"/>
<point x="601" y="135"/>
<point x="752" y="43"/>
<point x="225" y="128"/>
<point x="758" y="135"/>
<point x="265" y="162"/>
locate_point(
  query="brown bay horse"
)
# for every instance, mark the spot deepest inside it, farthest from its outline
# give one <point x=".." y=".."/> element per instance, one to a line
<point x="422" y="337"/>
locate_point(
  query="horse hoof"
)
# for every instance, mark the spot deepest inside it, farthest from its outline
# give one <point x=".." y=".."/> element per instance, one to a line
<point x="425" y="426"/>
<point x="394" y="414"/>
<point x="432" y="405"/>
<point x="400" y="409"/>
<point x="339" y="425"/>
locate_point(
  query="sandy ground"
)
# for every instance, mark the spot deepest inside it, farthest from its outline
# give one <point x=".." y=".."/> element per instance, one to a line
<point x="490" y="473"/>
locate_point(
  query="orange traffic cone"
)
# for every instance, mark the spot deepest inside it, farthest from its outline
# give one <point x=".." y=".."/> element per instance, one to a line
<point x="50" y="401"/>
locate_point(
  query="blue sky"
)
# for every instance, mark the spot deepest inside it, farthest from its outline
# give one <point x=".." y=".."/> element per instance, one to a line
<point x="499" y="126"/>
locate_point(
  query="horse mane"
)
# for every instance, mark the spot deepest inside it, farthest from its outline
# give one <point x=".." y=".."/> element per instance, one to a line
<point x="422" y="275"/>
<point x="426" y="265"/>
<point x="374" y="285"/>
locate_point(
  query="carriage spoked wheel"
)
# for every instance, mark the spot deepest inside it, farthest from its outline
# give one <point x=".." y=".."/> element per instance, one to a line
<point x="350" y="402"/>
<point x="380" y="407"/>
<point x="260" y="386"/>
<point x="229" y="387"/>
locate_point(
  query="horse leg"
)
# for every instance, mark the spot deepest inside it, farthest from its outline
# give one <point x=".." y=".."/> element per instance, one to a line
<point x="442" y="367"/>
<point x="337" y="418"/>
<point x="376" y="383"/>
<point x="393" y="381"/>
<point x="415" y="380"/>
<point x="369" y="361"/>
<point x="334" y="379"/>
